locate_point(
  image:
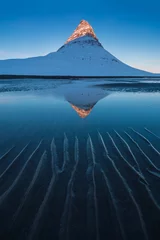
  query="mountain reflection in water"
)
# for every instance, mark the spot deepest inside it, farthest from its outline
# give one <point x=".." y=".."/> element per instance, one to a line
<point x="83" y="99"/>
<point x="64" y="177"/>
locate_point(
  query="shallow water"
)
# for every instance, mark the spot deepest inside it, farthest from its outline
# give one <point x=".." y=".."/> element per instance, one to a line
<point x="80" y="159"/>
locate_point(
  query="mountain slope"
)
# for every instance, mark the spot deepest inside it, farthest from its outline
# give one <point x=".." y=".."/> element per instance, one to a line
<point x="81" y="55"/>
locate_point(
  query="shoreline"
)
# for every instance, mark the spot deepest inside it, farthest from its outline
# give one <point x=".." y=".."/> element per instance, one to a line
<point x="69" y="77"/>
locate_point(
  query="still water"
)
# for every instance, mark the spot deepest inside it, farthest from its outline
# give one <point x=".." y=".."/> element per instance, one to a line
<point x="80" y="159"/>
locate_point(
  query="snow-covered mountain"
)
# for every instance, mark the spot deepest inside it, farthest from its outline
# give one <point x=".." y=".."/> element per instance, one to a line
<point x="81" y="55"/>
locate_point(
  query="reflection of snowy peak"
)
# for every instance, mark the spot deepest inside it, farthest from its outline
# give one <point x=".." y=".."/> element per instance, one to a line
<point x="83" y="113"/>
<point x="81" y="55"/>
<point x="84" y="99"/>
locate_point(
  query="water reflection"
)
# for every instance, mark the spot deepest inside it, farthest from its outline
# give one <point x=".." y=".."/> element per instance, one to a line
<point x="84" y="99"/>
<point x="64" y="177"/>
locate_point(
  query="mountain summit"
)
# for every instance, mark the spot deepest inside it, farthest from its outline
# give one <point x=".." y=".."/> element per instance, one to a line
<point x="83" y="29"/>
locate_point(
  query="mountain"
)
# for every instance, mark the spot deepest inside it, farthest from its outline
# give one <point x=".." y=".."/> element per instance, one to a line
<point x="81" y="55"/>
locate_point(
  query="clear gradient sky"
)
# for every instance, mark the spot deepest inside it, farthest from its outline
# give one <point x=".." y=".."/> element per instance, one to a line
<point x="130" y="30"/>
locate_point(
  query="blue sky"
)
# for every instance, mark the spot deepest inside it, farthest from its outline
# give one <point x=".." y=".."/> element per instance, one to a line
<point x="130" y="30"/>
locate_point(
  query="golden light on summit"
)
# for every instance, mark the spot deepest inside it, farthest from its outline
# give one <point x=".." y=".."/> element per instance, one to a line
<point x="83" y="113"/>
<point x="83" y="29"/>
